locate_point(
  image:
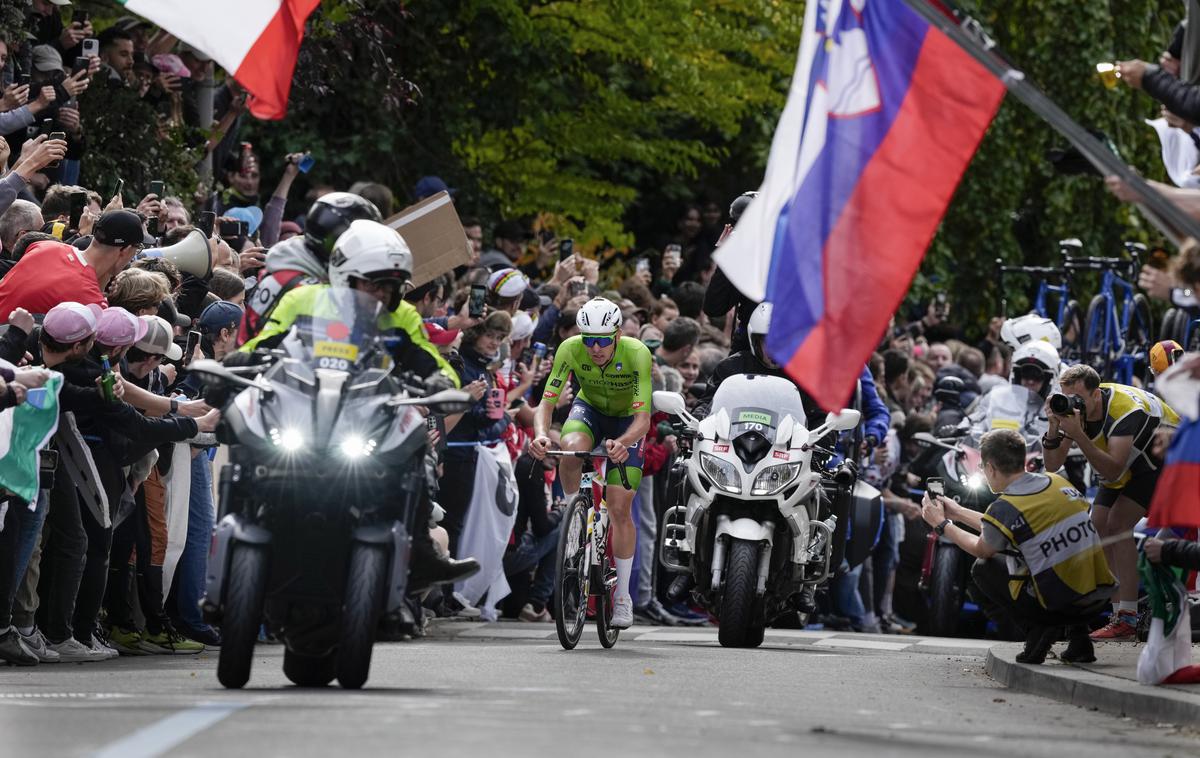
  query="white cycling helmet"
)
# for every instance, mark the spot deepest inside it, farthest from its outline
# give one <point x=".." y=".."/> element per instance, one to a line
<point x="598" y="316"/>
<point x="372" y="251"/>
<point x="1030" y="328"/>
<point x="756" y="332"/>
<point x="1040" y="355"/>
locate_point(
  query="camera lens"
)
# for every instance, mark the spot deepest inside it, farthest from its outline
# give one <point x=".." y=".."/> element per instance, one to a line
<point x="1060" y="404"/>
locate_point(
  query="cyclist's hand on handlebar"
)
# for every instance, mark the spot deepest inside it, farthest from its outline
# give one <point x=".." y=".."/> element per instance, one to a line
<point x="539" y="447"/>
<point x="617" y="453"/>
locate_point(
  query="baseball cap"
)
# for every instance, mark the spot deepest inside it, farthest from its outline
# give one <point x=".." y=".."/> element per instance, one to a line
<point x="119" y="228"/>
<point x="530" y="300"/>
<point x="168" y="312"/>
<point x="60" y="2"/>
<point x="428" y="186"/>
<point x="219" y="315"/>
<point x="439" y="335"/>
<point x="252" y="215"/>
<point x="522" y="327"/>
<point x="70" y="321"/>
<point x="46" y="58"/>
<point x="117" y="327"/>
<point x="195" y="52"/>
<point x="159" y="339"/>
<point x="508" y="282"/>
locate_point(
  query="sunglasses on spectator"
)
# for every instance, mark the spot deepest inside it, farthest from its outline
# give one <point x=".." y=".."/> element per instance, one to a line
<point x="597" y="341"/>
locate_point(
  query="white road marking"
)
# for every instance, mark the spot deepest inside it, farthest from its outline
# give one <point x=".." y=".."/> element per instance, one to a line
<point x="863" y="644"/>
<point x="508" y="633"/>
<point x="162" y="735"/>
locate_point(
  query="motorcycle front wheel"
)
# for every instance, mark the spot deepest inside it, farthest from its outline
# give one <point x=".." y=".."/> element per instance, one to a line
<point x="945" y="591"/>
<point x="738" y="627"/>
<point x="306" y="671"/>
<point x="243" y="613"/>
<point x="365" y="585"/>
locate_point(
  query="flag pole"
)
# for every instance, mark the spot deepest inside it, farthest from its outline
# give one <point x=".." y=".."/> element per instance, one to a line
<point x="968" y="34"/>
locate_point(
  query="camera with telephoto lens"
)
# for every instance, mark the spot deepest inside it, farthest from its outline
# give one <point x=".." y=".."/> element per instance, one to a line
<point x="1065" y="405"/>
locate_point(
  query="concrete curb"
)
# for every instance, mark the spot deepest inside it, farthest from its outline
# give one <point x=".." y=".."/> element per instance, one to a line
<point x="1089" y="689"/>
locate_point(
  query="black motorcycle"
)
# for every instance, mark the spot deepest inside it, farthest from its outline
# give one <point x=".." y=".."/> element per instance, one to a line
<point x="326" y="472"/>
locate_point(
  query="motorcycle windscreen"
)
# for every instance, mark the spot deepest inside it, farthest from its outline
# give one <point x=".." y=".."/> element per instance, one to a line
<point x="342" y="333"/>
<point x="866" y="523"/>
<point x="758" y="403"/>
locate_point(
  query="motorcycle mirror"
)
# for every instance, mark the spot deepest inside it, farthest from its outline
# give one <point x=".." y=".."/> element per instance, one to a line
<point x="925" y="439"/>
<point x="209" y="369"/>
<point x="669" y="402"/>
<point x="843" y="422"/>
<point x="447" y="401"/>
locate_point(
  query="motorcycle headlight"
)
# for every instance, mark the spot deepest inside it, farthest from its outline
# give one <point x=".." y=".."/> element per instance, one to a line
<point x="290" y="439"/>
<point x="976" y="481"/>
<point x="774" y="479"/>
<point x="722" y="473"/>
<point x="354" y="446"/>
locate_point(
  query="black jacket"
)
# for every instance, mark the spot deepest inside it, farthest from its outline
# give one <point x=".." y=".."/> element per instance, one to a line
<point x="746" y="363"/>
<point x="1179" y="97"/>
<point x="1182" y="553"/>
<point x="720" y="296"/>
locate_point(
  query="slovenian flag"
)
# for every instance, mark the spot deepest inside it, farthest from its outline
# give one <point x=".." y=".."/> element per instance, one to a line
<point x="1176" y="500"/>
<point x="24" y="431"/>
<point x="257" y="41"/>
<point x="883" y="115"/>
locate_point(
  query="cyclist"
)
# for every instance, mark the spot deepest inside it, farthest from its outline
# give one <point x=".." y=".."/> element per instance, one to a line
<point x="613" y="403"/>
<point x="1164" y="355"/>
<point x="1115" y="430"/>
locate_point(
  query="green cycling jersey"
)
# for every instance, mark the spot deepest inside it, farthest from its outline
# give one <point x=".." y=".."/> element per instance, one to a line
<point x="622" y="388"/>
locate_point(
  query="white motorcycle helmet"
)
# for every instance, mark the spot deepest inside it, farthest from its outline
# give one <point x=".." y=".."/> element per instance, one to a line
<point x="374" y="252"/>
<point x="1030" y="328"/>
<point x="1036" y="356"/>
<point x="756" y="331"/>
<point x="598" y="316"/>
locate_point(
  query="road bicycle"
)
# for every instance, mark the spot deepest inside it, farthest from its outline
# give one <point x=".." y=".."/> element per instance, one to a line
<point x="587" y="573"/>
<point x="1067" y="314"/>
<point x="1118" y="331"/>
<point x="1183" y="326"/>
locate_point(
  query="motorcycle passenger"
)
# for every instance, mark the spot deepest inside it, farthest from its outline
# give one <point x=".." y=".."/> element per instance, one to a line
<point x="1031" y="327"/>
<point x="1114" y="425"/>
<point x="613" y="403"/>
<point x="303" y="259"/>
<point x="375" y="259"/>
<point x="1058" y="578"/>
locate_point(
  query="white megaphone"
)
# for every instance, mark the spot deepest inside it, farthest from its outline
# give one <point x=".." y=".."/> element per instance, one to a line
<point x="192" y="254"/>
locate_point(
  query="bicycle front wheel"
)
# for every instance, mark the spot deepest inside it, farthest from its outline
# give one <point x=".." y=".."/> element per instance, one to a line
<point x="605" y="595"/>
<point x="570" y="595"/>
<point x="1097" y="348"/>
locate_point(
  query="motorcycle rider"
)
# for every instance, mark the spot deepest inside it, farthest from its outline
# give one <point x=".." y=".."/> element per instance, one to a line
<point x="373" y="258"/>
<point x="613" y="403"/>
<point x="303" y="259"/>
<point x="1020" y="405"/>
<point x="721" y="296"/>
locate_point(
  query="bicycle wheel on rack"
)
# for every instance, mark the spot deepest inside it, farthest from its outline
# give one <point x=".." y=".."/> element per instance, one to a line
<point x="570" y="595"/>
<point x="1097" y="353"/>
<point x="1169" y="328"/>
<point x="1071" y="328"/>
<point x="605" y="594"/>
<point x="1191" y="335"/>
<point x="1141" y="328"/>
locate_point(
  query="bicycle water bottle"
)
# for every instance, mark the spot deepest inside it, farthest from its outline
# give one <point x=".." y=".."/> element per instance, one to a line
<point x="108" y="380"/>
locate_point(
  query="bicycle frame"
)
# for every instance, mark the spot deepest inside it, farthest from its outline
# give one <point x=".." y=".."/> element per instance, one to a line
<point x="1119" y="310"/>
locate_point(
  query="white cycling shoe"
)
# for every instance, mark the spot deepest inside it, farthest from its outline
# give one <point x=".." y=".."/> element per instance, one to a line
<point x="622" y="615"/>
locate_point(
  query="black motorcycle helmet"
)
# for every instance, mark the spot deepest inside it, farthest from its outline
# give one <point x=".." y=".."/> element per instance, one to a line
<point x="331" y="215"/>
<point x="739" y="205"/>
<point x="948" y="390"/>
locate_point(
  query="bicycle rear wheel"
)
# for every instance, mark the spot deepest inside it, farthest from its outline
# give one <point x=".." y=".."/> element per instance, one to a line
<point x="1071" y="329"/>
<point x="1097" y="353"/>
<point x="1141" y="327"/>
<point x="570" y="599"/>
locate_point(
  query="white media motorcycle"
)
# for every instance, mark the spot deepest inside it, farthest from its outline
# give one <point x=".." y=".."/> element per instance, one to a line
<point x="756" y="523"/>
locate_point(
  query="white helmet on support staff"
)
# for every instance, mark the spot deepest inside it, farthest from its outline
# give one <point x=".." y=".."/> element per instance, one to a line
<point x="374" y="252"/>
<point x="756" y="332"/>
<point x="598" y="316"/>
<point x="1030" y="328"/>
<point x="1036" y="357"/>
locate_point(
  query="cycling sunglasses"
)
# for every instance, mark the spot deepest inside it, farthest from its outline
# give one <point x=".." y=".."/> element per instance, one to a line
<point x="1031" y="373"/>
<point x="598" y="341"/>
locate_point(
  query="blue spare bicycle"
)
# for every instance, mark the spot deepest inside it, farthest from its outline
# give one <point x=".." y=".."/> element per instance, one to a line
<point x="1067" y="314"/>
<point x="1118" y="331"/>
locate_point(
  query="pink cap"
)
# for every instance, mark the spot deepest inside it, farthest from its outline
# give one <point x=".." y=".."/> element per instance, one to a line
<point x="70" y="322"/>
<point x="118" y="327"/>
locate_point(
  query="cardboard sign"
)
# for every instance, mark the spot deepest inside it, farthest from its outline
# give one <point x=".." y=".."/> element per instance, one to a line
<point x="435" y="235"/>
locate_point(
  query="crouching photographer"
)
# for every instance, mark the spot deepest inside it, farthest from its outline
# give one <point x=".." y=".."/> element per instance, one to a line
<point x="1114" y="426"/>
<point x="1040" y="563"/>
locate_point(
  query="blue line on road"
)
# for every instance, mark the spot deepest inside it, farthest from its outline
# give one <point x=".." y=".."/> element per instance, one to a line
<point x="161" y="736"/>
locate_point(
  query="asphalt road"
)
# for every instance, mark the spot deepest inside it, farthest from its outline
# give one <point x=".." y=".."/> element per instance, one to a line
<point x="659" y="692"/>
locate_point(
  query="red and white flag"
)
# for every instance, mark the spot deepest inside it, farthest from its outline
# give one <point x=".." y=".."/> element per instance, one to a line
<point x="255" y="40"/>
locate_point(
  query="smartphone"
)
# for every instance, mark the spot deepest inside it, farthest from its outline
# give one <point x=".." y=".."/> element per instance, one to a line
<point x="205" y="222"/>
<point x="475" y="301"/>
<point x="118" y="187"/>
<point x="232" y="228"/>
<point x="157" y="188"/>
<point x="577" y="288"/>
<point x="23" y="79"/>
<point x="78" y="203"/>
<point x="81" y="64"/>
<point x="47" y="127"/>
<point x="91" y="48"/>
<point x="566" y="248"/>
<point x="643" y="264"/>
<point x="935" y="486"/>
<point x="80" y="17"/>
<point x="306" y="163"/>
<point x="57" y="135"/>
<point x="38" y="397"/>
<point x="190" y="347"/>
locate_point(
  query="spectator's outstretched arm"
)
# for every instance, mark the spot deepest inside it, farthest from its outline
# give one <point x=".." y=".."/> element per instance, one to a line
<point x="721" y="296"/>
<point x="1182" y="553"/>
<point x="273" y="213"/>
<point x="1177" y="96"/>
<point x="876" y="416"/>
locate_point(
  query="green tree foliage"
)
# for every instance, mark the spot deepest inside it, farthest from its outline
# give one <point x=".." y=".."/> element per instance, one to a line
<point x="1011" y="203"/>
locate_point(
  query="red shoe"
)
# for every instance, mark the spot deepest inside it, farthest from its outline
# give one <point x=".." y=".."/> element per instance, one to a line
<point x="1122" y="627"/>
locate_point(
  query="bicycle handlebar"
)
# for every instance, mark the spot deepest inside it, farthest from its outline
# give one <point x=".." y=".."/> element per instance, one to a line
<point x="588" y="454"/>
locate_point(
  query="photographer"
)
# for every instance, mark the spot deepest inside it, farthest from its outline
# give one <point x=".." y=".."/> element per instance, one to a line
<point x="1051" y="549"/>
<point x="1113" y="425"/>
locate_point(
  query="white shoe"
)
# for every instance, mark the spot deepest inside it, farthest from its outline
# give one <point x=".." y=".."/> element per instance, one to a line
<point x="100" y="646"/>
<point x="622" y="615"/>
<point x="72" y="650"/>
<point x="36" y="642"/>
<point x="466" y="610"/>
